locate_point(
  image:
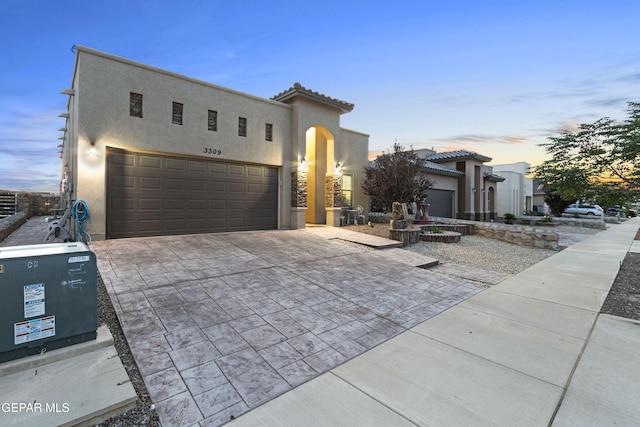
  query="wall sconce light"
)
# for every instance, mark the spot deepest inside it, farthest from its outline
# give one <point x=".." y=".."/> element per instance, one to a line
<point x="338" y="169"/>
<point x="64" y="115"/>
<point x="304" y="166"/>
<point x="68" y="92"/>
<point x="92" y="149"/>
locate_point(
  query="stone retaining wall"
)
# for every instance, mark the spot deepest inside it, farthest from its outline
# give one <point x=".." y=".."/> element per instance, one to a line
<point x="544" y="238"/>
<point x="11" y="223"/>
<point x="585" y="221"/>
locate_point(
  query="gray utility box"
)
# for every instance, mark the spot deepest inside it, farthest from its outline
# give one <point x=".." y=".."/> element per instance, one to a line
<point x="48" y="298"/>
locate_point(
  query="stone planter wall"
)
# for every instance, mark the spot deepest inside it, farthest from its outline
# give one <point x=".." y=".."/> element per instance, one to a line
<point x="543" y="237"/>
<point x="408" y="236"/>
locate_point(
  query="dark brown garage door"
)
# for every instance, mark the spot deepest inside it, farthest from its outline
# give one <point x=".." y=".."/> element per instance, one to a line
<point x="154" y="195"/>
<point x="441" y="202"/>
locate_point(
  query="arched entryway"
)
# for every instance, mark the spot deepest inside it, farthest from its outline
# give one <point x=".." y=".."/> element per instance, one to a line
<point x="320" y="174"/>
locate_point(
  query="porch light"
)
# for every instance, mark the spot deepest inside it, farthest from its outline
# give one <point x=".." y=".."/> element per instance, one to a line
<point x="338" y="168"/>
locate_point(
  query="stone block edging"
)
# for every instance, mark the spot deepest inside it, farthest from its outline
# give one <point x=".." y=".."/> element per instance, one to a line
<point x="11" y="223"/>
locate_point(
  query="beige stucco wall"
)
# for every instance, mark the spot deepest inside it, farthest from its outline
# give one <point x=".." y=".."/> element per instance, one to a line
<point x="103" y="84"/>
<point x="352" y="153"/>
<point x="100" y="118"/>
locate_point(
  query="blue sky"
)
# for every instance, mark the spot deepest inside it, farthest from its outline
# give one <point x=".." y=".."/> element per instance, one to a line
<point x="496" y="77"/>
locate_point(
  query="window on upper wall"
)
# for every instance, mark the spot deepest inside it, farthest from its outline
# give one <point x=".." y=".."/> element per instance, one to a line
<point x="242" y="126"/>
<point x="347" y="190"/>
<point x="135" y="104"/>
<point x="176" y="117"/>
<point x="268" y="132"/>
<point x="212" y="121"/>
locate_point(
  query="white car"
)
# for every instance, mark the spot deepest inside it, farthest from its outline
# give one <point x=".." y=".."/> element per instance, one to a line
<point x="584" y="209"/>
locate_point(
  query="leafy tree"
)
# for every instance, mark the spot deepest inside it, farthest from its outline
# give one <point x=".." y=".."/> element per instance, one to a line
<point x="556" y="204"/>
<point x="398" y="176"/>
<point x="603" y="151"/>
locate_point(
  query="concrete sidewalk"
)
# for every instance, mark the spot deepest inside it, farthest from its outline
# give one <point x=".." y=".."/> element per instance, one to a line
<point x="531" y="351"/>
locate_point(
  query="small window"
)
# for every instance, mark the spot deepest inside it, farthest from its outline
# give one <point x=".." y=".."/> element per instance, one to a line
<point x="176" y="117"/>
<point x="135" y="104"/>
<point x="213" y="121"/>
<point x="242" y="126"/>
<point x="268" y="132"/>
<point x="347" y="190"/>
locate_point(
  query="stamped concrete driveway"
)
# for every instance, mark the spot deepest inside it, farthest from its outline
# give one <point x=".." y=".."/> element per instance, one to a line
<point x="221" y="323"/>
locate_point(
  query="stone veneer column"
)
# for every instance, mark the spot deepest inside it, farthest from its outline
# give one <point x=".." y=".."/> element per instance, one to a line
<point x="298" y="199"/>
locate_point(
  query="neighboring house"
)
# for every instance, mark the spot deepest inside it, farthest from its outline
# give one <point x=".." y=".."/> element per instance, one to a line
<point x="464" y="187"/>
<point x="157" y="153"/>
<point x="515" y="193"/>
<point x="539" y="192"/>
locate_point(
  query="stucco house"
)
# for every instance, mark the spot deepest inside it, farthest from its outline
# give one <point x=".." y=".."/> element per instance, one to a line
<point x="515" y="193"/>
<point x="157" y="153"/>
<point x="464" y="187"/>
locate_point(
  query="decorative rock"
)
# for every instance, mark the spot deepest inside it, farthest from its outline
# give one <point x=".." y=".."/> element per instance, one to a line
<point x="399" y="224"/>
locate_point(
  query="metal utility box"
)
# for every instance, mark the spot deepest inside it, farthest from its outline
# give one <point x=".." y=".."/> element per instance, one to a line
<point x="48" y="298"/>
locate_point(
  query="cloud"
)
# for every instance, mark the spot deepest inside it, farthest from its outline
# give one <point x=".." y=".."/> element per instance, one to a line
<point x="28" y="148"/>
<point x="462" y="140"/>
<point x="631" y="77"/>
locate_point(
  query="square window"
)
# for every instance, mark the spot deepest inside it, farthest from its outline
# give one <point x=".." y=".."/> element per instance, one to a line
<point x="135" y="104"/>
<point x="212" y="121"/>
<point x="242" y="126"/>
<point x="268" y="132"/>
<point x="176" y="117"/>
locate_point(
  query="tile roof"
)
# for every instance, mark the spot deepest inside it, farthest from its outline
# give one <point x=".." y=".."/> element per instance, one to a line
<point x="458" y="155"/>
<point x="298" y="90"/>
<point x="441" y="169"/>
<point x="493" y="177"/>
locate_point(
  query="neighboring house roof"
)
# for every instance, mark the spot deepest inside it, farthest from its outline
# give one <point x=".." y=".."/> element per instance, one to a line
<point x="442" y="170"/>
<point x="539" y="186"/>
<point x="298" y="90"/>
<point x="493" y="177"/>
<point x="458" y="155"/>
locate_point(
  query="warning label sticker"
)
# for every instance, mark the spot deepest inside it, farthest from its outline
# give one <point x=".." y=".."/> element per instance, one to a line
<point x="74" y="259"/>
<point x="34" y="300"/>
<point x="35" y="329"/>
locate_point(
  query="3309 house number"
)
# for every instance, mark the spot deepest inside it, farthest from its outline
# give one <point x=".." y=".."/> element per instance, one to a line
<point x="212" y="151"/>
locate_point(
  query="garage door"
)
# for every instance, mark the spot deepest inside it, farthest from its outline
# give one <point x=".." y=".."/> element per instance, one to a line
<point x="441" y="202"/>
<point x="153" y="195"/>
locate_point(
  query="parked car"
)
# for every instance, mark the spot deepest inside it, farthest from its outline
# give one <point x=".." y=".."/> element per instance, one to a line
<point x="584" y="209"/>
<point x="617" y="209"/>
